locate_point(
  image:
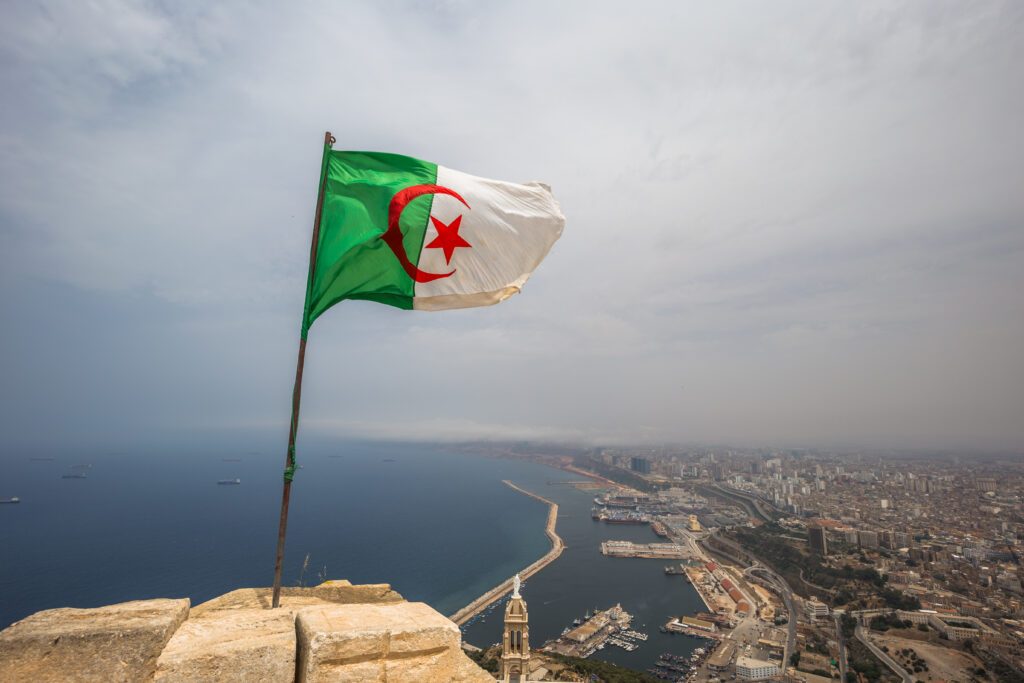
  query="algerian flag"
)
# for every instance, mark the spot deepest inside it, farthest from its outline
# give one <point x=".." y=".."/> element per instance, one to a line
<point x="416" y="235"/>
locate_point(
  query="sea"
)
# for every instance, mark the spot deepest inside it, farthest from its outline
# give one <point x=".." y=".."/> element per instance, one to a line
<point x="435" y="522"/>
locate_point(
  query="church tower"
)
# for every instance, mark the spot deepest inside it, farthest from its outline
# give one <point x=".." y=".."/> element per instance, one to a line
<point x="515" y="644"/>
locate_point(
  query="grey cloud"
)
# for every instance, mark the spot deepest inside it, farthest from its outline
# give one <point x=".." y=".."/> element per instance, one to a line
<point x="795" y="223"/>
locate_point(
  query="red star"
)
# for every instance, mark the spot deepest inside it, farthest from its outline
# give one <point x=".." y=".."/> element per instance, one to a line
<point x="448" y="238"/>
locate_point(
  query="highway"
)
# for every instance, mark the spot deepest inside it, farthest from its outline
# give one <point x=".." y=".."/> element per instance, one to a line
<point x="749" y="503"/>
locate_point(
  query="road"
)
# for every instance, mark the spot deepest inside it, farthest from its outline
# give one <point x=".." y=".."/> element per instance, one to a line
<point x="782" y="588"/>
<point x="842" y="645"/>
<point x="749" y="503"/>
<point x="886" y="659"/>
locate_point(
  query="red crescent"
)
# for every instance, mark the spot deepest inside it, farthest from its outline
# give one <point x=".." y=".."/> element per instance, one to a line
<point x="393" y="236"/>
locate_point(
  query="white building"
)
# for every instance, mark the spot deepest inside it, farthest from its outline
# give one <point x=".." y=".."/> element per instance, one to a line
<point x="750" y="669"/>
<point x="815" y="609"/>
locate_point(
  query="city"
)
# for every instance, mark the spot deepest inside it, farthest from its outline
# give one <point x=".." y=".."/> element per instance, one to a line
<point x="816" y="565"/>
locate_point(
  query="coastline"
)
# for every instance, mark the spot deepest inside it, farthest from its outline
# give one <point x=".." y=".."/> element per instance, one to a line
<point x="494" y="594"/>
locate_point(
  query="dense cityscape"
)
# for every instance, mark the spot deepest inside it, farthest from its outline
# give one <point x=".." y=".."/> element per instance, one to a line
<point x="817" y="565"/>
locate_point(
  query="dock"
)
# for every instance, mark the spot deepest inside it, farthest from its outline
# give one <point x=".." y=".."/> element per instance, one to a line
<point x="660" y="551"/>
<point x="695" y="576"/>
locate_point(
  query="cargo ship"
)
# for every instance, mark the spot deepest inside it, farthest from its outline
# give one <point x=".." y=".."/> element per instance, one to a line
<point x="629" y="502"/>
<point x="78" y="475"/>
<point x="625" y="517"/>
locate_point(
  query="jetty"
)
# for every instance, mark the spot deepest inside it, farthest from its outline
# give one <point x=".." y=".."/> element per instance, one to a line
<point x="496" y="593"/>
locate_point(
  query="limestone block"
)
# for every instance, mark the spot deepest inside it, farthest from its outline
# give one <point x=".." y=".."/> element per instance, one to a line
<point x="235" y="645"/>
<point x="330" y="592"/>
<point x="113" y="643"/>
<point x="387" y="643"/>
<point x="468" y="671"/>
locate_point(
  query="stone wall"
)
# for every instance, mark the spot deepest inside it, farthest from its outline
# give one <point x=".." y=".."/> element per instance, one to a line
<point x="335" y="632"/>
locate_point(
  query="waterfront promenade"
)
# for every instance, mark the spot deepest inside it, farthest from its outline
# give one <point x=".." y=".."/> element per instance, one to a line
<point x="557" y="546"/>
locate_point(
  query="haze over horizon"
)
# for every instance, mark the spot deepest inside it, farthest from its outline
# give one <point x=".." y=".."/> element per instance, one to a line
<point x="788" y="224"/>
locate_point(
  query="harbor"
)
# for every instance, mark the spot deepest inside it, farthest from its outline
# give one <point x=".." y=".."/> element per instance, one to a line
<point x="583" y="578"/>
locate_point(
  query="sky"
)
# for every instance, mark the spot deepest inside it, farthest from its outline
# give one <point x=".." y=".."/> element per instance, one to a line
<point x="788" y="223"/>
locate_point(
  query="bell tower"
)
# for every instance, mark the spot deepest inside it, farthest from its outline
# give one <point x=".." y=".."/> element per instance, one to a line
<point x="515" y="644"/>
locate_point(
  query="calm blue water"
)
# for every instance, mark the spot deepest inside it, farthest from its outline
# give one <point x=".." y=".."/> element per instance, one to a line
<point x="439" y="527"/>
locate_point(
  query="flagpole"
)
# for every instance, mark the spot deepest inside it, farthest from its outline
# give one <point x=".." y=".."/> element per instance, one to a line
<point x="289" y="461"/>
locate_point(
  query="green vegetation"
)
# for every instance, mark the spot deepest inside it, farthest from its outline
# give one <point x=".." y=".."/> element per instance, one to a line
<point x="486" y="659"/>
<point x="848" y="625"/>
<point x="593" y="670"/>
<point x="767" y="543"/>
<point x="911" y="660"/>
<point x="864" y="663"/>
<point x="602" y="672"/>
<point x="1003" y="671"/>
<point x="884" y="622"/>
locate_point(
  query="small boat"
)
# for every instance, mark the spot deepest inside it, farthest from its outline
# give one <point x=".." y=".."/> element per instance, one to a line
<point x="15" y="499"/>
<point x="229" y="482"/>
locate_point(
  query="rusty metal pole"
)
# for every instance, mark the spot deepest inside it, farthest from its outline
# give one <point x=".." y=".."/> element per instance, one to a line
<point x="297" y="393"/>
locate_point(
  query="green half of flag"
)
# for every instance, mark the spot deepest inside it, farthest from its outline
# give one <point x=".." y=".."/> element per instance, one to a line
<point x="352" y="261"/>
<point x="413" y="234"/>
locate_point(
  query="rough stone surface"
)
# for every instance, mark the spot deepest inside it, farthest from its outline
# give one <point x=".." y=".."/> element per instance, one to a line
<point x="329" y="592"/>
<point x="468" y="671"/>
<point x="231" y="645"/>
<point x="334" y="632"/>
<point x="114" y="643"/>
<point x="386" y="643"/>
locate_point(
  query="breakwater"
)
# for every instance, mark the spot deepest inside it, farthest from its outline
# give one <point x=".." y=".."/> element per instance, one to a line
<point x="494" y="594"/>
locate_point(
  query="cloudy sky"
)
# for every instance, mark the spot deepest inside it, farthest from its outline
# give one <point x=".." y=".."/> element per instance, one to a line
<point x="788" y="223"/>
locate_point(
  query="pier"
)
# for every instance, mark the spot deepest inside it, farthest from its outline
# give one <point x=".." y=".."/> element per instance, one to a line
<point x="664" y="551"/>
<point x="696" y="578"/>
<point x="495" y="594"/>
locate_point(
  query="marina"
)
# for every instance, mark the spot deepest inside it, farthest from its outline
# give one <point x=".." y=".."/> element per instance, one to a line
<point x="595" y="632"/>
